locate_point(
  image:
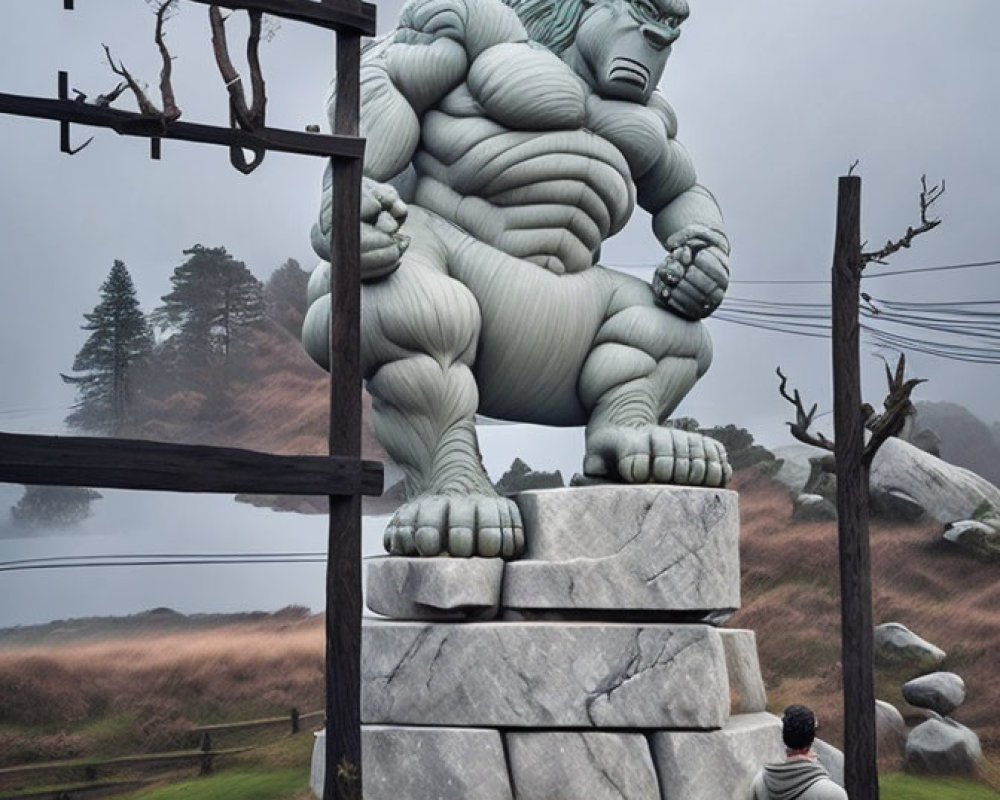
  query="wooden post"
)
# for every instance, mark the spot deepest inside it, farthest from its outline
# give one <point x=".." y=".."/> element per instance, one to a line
<point x="296" y="727"/>
<point x="860" y="767"/>
<point x="343" y="581"/>
<point x="206" y="754"/>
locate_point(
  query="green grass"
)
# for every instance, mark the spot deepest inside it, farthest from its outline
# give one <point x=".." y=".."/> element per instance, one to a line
<point x="899" y="786"/>
<point x="233" y="784"/>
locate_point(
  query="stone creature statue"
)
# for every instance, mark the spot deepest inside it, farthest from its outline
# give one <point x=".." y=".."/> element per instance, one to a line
<point x="507" y="139"/>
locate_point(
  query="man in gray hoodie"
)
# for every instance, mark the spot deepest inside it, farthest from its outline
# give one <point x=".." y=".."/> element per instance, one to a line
<point x="800" y="776"/>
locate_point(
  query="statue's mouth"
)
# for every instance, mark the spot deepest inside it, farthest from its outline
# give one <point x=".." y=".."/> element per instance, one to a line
<point x="628" y="70"/>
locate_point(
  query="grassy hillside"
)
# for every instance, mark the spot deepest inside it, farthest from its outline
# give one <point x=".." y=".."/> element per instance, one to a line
<point x="109" y="688"/>
<point x="791" y="599"/>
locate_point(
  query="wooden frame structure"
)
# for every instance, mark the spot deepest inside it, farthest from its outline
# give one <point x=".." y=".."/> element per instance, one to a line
<point x="343" y="476"/>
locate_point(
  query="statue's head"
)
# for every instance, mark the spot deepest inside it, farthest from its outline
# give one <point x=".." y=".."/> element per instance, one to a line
<point x="619" y="46"/>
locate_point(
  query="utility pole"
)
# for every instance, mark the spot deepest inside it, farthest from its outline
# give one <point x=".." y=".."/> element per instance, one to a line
<point x="853" y="422"/>
<point x="857" y="632"/>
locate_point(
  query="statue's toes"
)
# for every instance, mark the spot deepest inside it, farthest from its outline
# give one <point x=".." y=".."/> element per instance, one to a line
<point x="462" y="526"/>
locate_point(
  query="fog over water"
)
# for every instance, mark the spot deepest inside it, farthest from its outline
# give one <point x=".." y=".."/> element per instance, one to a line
<point x="775" y="98"/>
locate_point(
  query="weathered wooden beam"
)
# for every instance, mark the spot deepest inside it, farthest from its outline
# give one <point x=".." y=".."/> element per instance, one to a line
<point x="343" y="599"/>
<point x="346" y="17"/>
<point x="135" y="464"/>
<point x="857" y="642"/>
<point x="127" y="123"/>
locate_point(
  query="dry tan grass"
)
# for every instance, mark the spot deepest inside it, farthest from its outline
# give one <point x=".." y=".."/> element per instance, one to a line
<point x="164" y="684"/>
<point x="791" y="599"/>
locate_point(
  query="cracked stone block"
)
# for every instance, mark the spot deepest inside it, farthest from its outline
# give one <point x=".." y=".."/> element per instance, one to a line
<point x="746" y="684"/>
<point x="696" y="765"/>
<point x="555" y="765"/>
<point x="433" y="588"/>
<point x="439" y="763"/>
<point x="543" y="675"/>
<point x="640" y="548"/>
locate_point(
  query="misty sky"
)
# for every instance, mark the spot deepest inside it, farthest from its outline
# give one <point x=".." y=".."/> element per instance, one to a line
<point x="775" y="98"/>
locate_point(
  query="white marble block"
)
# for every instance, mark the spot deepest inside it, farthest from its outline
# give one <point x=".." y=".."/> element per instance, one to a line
<point x="543" y="675"/>
<point x="746" y="684"/>
<point x="556" y="765"/>
<point x="627" y="548"/>
<point x="707" y="766"/>
<point x="433" y="588"/>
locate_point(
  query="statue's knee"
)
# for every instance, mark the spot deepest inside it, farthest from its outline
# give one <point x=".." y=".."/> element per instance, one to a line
<point x="430" y="314"/>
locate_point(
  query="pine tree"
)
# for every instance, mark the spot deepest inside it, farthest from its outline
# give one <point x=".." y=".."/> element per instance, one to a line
<point x="120" y="340"/>
<point x="213" y="296"/>
<point x="285" y="294"/>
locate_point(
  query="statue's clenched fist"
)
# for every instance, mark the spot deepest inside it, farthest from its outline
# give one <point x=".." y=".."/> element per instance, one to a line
<point x="382" y="214"/>
<point x="693" y="277"/>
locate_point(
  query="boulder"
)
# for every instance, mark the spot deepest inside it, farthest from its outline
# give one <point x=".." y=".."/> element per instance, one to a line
<point x="890" y="730"/>
<point x="947" y="492"/>
<point x="895" y="506"/>
<point x="897" y="645"/>
<point x="556" y="765"/>
<point x="943" y="747"/>
<point x="716" y="764"/>
<point x="831" y="758"/>
<point x="543" y="675"/>
<point x="978" y="539"/>
<point x="433" y="588"/>
<point x="941" y="692"/>
<point x="813" y="508"/>
<point x="626" y="549"/>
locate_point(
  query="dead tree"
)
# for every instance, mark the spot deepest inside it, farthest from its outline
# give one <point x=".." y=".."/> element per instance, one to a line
<point x="853" y="462"/>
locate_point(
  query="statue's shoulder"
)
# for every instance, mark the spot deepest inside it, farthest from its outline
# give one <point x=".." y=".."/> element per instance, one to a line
<point x="475" y="24"/>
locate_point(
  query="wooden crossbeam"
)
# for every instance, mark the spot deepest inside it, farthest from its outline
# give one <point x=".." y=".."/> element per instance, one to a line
<point x="136" y="464"/>
<point x="128" y="123"/>
<point x="340" y="17"/>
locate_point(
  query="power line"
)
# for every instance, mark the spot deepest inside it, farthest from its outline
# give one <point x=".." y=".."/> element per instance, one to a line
<point x="163" y="563"/>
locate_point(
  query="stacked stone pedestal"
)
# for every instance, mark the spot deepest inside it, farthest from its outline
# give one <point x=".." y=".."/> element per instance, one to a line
<point x="592" y="668"/>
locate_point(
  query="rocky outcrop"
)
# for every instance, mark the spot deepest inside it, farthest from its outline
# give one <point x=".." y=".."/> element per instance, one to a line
<point x="897" y="645"/>
<point x="945" y="491"/>
<point x="813" y="508"/>
<point x="904" y="481"/>
<point x="977" y="538"/>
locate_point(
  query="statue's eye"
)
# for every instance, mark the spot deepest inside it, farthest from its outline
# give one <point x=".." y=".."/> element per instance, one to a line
<point x="673" y="22"/>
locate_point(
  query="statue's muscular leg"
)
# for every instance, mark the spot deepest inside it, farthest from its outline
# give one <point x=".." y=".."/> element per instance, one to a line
<point x="645" y="360"/>
<point x="420" y="333"/>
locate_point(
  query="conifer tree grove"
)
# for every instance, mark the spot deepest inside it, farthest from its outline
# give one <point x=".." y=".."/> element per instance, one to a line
<point x="119" y="340"/>
<point x="213" y="295"/>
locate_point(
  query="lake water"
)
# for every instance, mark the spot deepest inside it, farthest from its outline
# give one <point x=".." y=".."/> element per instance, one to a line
<point x="145" y="523"/>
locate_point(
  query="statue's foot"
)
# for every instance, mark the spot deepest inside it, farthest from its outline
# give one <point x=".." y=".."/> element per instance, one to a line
<point x="463" y="526"/>
<point x="654" y="454"/>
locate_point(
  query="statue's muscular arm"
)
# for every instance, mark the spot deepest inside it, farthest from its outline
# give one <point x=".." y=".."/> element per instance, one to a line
<point x="402" y="76"/>
<point x="693" y="277"/>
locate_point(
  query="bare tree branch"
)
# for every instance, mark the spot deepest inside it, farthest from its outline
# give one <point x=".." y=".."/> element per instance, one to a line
<point x="897" y="409"/>
<point x="927" y="199"/>
<point x="803" y="419"/>
<point x="170" y="110"/>
<point x="248" y="117"/>
<point x="146" y="106"/>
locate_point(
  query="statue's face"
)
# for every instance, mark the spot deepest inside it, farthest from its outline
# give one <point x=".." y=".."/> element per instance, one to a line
<point x="624" y="44"/>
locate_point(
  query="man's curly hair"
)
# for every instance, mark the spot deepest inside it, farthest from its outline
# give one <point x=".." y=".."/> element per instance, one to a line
<point x="798" y="727"/>
<point x="552" y="23"/>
